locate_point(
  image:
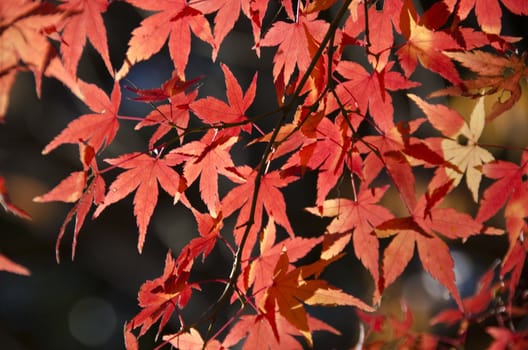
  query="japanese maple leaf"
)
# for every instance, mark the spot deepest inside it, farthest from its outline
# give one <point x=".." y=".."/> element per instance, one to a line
<point x="326" y="149"/>
<point x="460" y="147"/>
<point x="192" y="340"/>
<point x="508" y="189"/>
<point x="260" y="271"/>
<point x="143" y="173"/>
<point x="380" y="34"/>
<point x="489" y="12"/>
<point x="390" y="151"/>
<point x="297" y="43"/>
<point x="85" y="22"/>
<point x="504" y="338"/>
<point x="227" y="13"/>
<point x="209" y="228"/>
<point x="24" y="25"/>
<point x="170" y="88"/>
<point x="370" y="90"/>
<point x="171" y="116"/>
<point x="474" y="305"/>
<point x="421" y="229"/>
<point x="159" y="298"/>
<point x="215" y="112"/>
<point x="206" y="158"/>
<point x="72" y="189"/>
<point x="356" y="220"/>
<point x="97" y="129"/>
<point x="6" y="203"/>
<point x="501" y="74"/>
<point x="514" y="263"/>
<point x="9" y="265"/>
<point x="83" y="188"/>
<point x="427" y="46"/>
<point x="269" y="197"/>
<point x="174" y="19"/>
<point x="258" y="332"/>
<point x="401" y="334"/>
<point x="290" y="290"/>
<point x="7" y="79"/>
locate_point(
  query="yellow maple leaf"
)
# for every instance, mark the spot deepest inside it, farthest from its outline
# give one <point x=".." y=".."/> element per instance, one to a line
<point x="463" y="151"/>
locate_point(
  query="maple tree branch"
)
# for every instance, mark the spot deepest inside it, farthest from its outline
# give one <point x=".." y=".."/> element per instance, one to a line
<point x="287" y="109"/>
<point x="367" y="31"/>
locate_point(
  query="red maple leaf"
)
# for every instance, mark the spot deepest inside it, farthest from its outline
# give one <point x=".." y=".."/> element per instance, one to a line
<point x="325" y="147"/>
<point x="260" y="271"/>
<point x="9" y="265"/>
<point x="192" y="340"/>
<point x="269" y="197"/>
<point x="259" y="333"/>
<point x="391" y="151"/>
<point x="85" y="22"/>
<point x="380" y="33"/>
<point x="362" y="89"/>
<point x="206" y="158"/>
<point x="171" y="116"/>
<point x="171" y="88"/>
<point x="215" y="112"/>
<point x="6" y="203"/>
<point x="24" y="44"/>
<point x="489" y="12"/>
<point x="297" y="43"/>
<point x="419" y="229"/>
<point x="174" y="19"/>
<point x="209" y="228"/>
<point x="507" y="339"/>
<point x="73" y="189"/>
<point x="508" y="189"/>
<point x="427" y="46"/>
<point x="143" y="173"/>
<point x="159" y="298"/>
<point x="514" y="262"/>
<point x="474" y="305"/>
<point x="356" y="220"/>
<point x="227" y="13"/>
<point x="97" y="129"/>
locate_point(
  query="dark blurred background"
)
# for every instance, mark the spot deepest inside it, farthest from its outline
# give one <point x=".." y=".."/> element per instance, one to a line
<point x="84" y="304"/>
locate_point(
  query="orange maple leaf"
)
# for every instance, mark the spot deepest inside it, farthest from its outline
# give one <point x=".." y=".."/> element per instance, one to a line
<point x="497" y="74"/>
<point x="290" y="290"/>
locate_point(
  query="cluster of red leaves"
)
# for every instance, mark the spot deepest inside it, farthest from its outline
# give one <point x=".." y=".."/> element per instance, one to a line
<point x="323" y="100"/>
